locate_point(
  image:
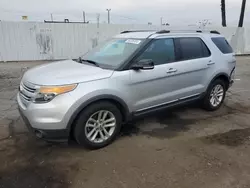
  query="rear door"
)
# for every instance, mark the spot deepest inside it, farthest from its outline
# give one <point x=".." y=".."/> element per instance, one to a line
<point x="190" y="69"/>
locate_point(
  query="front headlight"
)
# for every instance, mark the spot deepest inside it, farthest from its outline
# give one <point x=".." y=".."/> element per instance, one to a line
<point x="47" y="93"/>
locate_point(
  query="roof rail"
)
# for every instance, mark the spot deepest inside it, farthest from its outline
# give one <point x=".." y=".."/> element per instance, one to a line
<point x="214" y="32"/>
<point x="178" y="31"/>
<point x="125" y="32"/>
<point x="170" y="31"/>
<point x="163" y="31"/>
<point x="192" y="31"/>
<point x="136" y="31"/>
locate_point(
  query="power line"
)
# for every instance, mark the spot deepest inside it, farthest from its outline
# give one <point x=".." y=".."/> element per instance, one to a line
<point x="42" y="14"/>
<point x="129" y="18"/>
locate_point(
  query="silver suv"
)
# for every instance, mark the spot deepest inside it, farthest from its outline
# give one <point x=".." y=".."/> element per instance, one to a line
<point x="132" y="74"/>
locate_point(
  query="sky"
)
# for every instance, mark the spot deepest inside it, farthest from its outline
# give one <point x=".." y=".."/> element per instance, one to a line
<point x="174" y="12"/>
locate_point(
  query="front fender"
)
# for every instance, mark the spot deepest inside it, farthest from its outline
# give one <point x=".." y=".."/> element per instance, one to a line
<point x="92" y="97"/>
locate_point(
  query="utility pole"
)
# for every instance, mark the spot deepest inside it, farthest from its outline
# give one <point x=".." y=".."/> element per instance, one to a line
<point x="242" y="13"/>
<point x="83" y="16"/>
<point x="98" y="20"/>
<point x="51" y="17"/>
<point x="95" y="42"/>
<point x="108" y="15"/>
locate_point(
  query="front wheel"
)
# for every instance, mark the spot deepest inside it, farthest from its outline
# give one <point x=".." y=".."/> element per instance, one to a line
<point x="98" y="125"/>
<point x="215" y="95"/>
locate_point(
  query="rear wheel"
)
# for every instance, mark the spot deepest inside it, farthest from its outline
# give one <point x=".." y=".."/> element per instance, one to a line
<point x="215" y="95"/>
<point x="98" y="125"/>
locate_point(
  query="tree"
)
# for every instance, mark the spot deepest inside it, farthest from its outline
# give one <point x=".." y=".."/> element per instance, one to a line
<point x="223" y="13"/>
<point x="242" y="13"/>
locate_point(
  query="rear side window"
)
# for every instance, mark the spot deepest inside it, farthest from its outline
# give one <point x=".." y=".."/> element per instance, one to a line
<point x="223" y="45"/>
<point x="192" y="48"/>
<point x="206" y="51"/>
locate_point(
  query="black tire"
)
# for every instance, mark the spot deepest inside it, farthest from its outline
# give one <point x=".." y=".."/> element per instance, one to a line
<point x="206" y="100"/>
<point x="79" y="130"/>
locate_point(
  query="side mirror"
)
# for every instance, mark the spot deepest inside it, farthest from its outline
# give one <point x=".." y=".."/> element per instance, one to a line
<point x="144" y="64"/>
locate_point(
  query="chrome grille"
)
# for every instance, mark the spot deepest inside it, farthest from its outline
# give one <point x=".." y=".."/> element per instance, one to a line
<point x="26" y="91"/>
<point x="29" y="89"/>
<point x="27" y="98"/>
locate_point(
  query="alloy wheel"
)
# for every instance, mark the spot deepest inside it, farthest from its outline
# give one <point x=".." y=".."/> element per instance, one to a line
<point x="100" y="126"/>
<point x="216" y="95"/>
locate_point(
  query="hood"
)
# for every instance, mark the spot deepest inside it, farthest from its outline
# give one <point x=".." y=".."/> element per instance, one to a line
<point x="65" y="72"/>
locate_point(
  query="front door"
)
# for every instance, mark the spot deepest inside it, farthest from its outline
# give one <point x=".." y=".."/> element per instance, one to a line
<point x="150" y="88"/>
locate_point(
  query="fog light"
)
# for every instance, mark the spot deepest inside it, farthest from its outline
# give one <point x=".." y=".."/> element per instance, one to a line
<point x="38" y="134"/>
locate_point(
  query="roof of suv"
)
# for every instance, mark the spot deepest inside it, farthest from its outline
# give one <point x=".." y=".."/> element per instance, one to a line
<point x="156" y="34"/>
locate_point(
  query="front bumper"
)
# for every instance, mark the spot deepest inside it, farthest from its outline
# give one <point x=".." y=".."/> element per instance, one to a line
<point x="60" y="135"/>
<point x="47" y="121"/>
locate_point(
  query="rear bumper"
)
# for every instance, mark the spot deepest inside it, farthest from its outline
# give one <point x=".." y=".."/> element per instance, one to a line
<point x="58" y="135"/>
<point x="231" y="83"/>
<point x="232" y="77"/>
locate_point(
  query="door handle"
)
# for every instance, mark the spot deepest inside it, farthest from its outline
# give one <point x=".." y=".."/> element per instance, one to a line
<point x="171" y="70"/>
<point x="210" y="62"/>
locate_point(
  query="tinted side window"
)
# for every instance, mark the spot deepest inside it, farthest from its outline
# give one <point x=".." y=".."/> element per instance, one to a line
<point x="161" y="51"/>
<point x="193" y="48"/>
<point x="223" y="45"/>
<point x="206" y="51"/>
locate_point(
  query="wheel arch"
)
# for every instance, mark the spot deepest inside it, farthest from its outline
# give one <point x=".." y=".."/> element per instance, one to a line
<point x="122" y="106"/>
<point x="222" y="76"/>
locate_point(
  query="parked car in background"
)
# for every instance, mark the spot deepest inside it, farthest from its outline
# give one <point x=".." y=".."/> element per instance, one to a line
<point x="132" y="74"/>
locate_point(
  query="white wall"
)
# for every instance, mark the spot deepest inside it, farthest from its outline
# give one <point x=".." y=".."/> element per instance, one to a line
<point x="20" y="41"/>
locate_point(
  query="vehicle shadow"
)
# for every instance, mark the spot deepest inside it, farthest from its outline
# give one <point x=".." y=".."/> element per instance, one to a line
<point x="169" y="123"/>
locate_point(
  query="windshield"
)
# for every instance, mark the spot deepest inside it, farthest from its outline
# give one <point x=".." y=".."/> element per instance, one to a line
<point x="113" y="53"/>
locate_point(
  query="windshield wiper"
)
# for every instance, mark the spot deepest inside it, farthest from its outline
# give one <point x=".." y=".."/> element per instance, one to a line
<point x="89" y="61"/>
